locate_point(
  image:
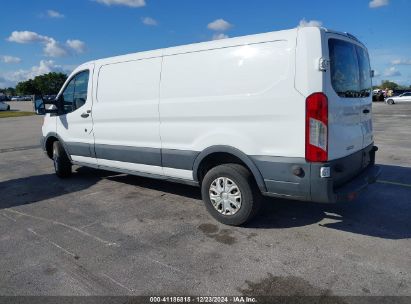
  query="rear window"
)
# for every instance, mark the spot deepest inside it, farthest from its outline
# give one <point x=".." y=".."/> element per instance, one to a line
<point x="350" y="69"/>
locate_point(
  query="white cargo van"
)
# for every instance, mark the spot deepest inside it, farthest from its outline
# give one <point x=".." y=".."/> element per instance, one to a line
<point x="284" y="114"/>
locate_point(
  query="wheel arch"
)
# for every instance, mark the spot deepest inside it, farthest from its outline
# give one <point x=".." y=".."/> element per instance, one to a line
<point x="48" y="144"/>
<point x="225" y="154"/>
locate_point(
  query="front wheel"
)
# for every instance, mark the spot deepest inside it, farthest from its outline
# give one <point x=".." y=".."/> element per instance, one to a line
<point x="230" y="194"/>
<point x="62" y="164"/>
<point x="390" y="101"/>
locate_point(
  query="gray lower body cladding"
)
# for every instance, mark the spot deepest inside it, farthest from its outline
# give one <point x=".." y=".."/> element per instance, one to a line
<point x="279" y="177"/>
<point x="291" y="178"/>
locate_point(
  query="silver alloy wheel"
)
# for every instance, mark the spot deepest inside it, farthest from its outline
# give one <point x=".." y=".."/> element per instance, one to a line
<point x="225" y="196"/>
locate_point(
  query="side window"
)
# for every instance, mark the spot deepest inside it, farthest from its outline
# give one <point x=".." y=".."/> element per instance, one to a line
<point x="68" y="96"/>
<point x="80" y="91"/>
<point x="75" y="93"/>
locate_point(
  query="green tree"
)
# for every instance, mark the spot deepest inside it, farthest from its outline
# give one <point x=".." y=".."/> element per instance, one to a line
<point x="26" y="88"/>
<point x="386" y="84"/>
<point x="47" y="84"/>
<point x="10" y="91"/>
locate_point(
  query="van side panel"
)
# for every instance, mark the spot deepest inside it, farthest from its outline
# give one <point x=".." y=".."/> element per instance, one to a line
<point x="125" y="114"/>
<point x="239" y="96"/>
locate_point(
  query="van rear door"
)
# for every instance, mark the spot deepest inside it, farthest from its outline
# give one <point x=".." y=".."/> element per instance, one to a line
<point x="348" y="88"/>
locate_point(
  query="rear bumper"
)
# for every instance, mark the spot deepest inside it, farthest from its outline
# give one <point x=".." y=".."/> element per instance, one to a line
<point x="350" y="191"/>
<point x="297" y="179"/>
<point x="349" y="176"/>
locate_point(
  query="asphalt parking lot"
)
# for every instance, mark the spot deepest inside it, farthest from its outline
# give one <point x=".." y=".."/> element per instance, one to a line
<point x="102" y="233"/>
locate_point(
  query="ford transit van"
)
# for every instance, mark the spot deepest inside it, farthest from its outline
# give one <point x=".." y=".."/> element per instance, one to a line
<point x="284" y="114"/>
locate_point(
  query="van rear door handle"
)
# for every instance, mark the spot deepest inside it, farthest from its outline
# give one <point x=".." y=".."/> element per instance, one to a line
<point x="366" y="111"/>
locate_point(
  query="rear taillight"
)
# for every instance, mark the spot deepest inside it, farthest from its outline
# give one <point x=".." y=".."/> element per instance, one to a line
<point x="316" y="128"/>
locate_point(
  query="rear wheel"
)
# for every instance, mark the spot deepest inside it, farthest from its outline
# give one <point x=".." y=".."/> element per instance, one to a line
<point x="62" y="164"/>
<point x="231" y="194"/>
<point x="390" y="101"/>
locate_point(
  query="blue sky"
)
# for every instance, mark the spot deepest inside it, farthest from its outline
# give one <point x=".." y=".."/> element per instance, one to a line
<point x="56" y="35"/>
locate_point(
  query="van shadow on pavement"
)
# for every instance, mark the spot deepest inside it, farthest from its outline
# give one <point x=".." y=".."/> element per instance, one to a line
<point x="32" y="189"/>
<point x="384" y="211"/>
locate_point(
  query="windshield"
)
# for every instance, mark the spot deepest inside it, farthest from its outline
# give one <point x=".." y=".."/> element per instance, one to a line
<point x="350" y="69"/>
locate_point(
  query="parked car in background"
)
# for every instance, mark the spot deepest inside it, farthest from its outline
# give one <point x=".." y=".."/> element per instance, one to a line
<point x="4" y="106"/>
<point x="406" y="97"/>
<point x="22" y="98"/>
<point x="378" y="95"/>
<point x="3" y="97"/>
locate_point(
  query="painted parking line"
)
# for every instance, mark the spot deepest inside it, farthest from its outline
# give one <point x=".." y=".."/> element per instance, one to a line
<point x="394" y="183"/>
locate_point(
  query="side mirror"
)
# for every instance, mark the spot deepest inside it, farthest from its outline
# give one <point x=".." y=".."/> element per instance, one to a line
<point x="41" y="110"/>
<point x="55" y="102"/>
<point x="38" y="105"/>
<point x="51" y="111"/>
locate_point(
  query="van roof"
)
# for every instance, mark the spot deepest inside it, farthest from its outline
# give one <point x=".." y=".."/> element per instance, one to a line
<point x="201" y="46"/>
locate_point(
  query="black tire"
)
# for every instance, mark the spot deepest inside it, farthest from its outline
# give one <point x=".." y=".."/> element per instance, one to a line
<point x="62" y="164"/>
<point x="250" y="194"/>
<point x="390" y="101"/>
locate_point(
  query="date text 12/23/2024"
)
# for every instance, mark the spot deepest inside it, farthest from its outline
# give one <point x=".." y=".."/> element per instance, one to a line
<point x="189" y="299"/>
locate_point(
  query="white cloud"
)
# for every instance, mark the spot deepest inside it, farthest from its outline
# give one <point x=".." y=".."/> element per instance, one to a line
<point x="44" y="67"/>
<point x="5" y="83"/>
<point x="129" y="3"/>
<point x="54" y="14"/>
<point x="378" y="3"/>
<point x="52" y="48"/>
<point x="77" y="46"/>
<point x="10" y="59"/>
<point x="377" y="74"/>
<point x="305" y="23"/>
<point x="26" y="37"/>
<point x="401" y="62"/>
<point x="392" y="72"/>
<point x="219" y="36"/>
<point x="219" y="25"/>
<point x="149" y="21"/>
